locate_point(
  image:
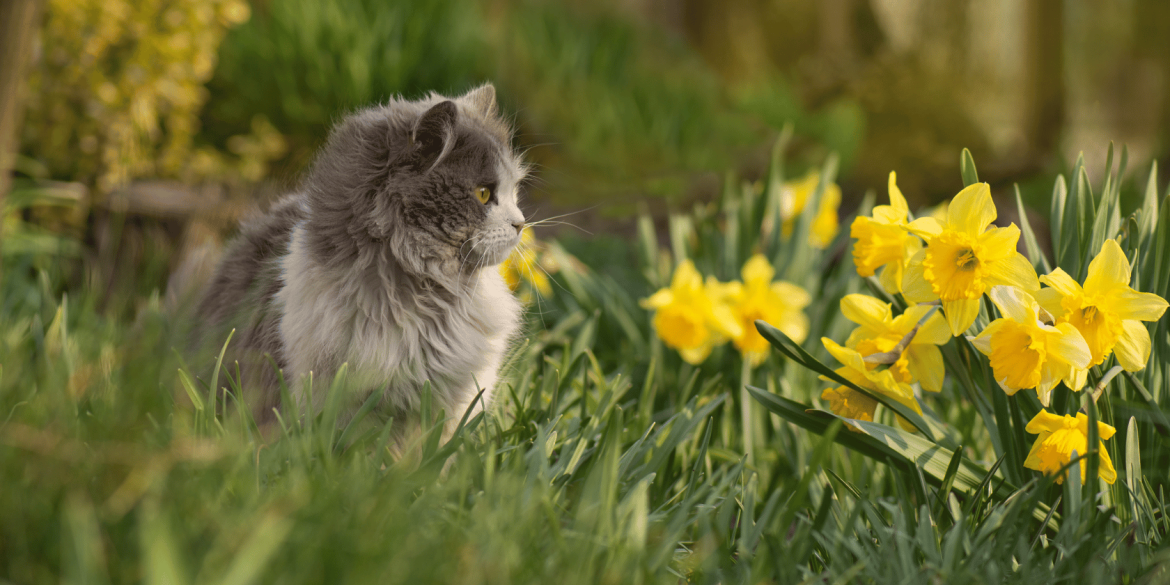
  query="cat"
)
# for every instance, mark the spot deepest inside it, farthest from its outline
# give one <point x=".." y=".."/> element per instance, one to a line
<point x="385" y="259"/>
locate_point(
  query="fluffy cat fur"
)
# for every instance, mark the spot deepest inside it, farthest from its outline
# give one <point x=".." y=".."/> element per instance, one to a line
<point x="385" y="259"/>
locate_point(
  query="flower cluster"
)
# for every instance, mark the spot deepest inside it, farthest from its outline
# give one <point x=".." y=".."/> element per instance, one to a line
<point x="1043" y="336"/>
<point x="694" y="316"/>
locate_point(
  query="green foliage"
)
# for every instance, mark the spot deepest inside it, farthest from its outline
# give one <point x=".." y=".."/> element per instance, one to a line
<point x="603" y="101"/>
<point x="303" y="63"/>
<point x="609" y="458"/>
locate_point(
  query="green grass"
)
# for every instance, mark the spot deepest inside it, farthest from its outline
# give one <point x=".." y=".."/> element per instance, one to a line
<point x="606" y="458"/>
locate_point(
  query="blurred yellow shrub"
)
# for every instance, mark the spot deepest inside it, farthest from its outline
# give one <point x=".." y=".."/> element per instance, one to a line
<point x="117" y="87"/>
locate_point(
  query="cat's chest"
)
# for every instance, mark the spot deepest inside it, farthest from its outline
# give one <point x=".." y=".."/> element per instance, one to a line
<point x="439" y="345"/>
<point x="392" y="333"/>
<point x="327" y="322"/>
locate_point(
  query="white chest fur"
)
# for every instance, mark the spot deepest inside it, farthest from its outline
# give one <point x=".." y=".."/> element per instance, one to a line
<point x="331" y="315"/>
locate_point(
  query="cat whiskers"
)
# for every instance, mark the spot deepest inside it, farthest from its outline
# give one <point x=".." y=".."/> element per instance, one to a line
<point x="553" y="220"/>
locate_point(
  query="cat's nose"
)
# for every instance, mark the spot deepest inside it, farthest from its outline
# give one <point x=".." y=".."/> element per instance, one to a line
<point x="519" y="225"/>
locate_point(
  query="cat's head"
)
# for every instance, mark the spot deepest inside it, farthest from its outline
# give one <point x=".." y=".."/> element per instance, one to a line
<point x="433" y="182"/>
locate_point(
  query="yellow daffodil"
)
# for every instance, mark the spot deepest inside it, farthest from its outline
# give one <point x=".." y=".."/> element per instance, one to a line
<point x="879" y="331"/>
<point x="780" y="304"/>
<point x="794" y="196"/>
<point x="1059" y="437"/>
<point x="846" y="402"/>
<point x="849" y="403"/>
<point x="965" y="256"/>
<point x="690" y="317"/>
<point x="1106" y="311"/>
<point x="883" y="242"/>
<point x="1027" y="353"/>
<point x="521" y="266"/>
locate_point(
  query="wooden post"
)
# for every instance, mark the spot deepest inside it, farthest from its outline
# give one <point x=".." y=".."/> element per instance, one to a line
<point x="18" y="19"/>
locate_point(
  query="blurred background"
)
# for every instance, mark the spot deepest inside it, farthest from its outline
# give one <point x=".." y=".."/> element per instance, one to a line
<point x="139" y="131"/>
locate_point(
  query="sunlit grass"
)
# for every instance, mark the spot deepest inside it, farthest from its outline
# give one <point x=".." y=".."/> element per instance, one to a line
<point x="607" y="458"/>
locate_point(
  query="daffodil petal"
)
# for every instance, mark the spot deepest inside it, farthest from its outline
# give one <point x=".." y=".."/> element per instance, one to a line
<point x="1105" y="431"/>
<point x="1109" y="269"/>
<point x="1033" y="460"/>
<point x="841" y="354"/>
<point x="1105" y="467"/>
<point x="758" y="269"/>
<point x="915" y="287"/>
<point x="1070" y="346"/>
<point x="935" y="331"/>
<point x="686" y="276"/>
<point x="725" y="322"/>
<point x="1131" y="304"/>
<point x="1044" y="421"/>
<point x="1133" y="347"/>
<point x="925" y="227"/>
<point x="695" y="355"/>
<point x="960" y="314"/>
<point x="794" y="325"/>
<point x="886" y="214"/>
<point x="1014" y="303"/>
<point x="897" y="201"/>
<point x="794" y="296"/>
<point x="1015" y="270"/>
<point x="890" y="277"/>
<point x="727" y="291"/>
<point x="982" y="342"/>
<point x="1044" y="389"/>
<point x="866" y="311"/>
<point x="1063" y="283"/>
<point x="659" y="299"/>
<point x="853" y="362"/>
<point x="999" y="243"/>
<point x="1076" y="378"/>
<point x="1050" y="300"/>
<point x="926" y="365"/>
<point x="972" y="209"/>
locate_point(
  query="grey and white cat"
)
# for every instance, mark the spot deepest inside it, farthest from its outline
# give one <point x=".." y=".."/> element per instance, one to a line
<point x="385" y="259"/>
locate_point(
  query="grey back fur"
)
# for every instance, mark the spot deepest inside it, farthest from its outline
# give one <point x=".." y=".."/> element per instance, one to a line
<point x="385" y="259"/>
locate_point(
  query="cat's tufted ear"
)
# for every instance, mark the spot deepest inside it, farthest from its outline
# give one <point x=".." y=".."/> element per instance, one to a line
<point x="482" y="98"/>
<point x="434" y="134"/>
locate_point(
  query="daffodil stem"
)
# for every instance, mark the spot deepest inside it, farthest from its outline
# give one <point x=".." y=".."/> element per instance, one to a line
<point x="745" y="409"/>
<point x="1100" y="388"/>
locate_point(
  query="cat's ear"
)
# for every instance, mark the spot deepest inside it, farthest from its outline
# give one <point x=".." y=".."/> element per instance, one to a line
<point x="434" y="134"/>
<point x="482" y="98"/>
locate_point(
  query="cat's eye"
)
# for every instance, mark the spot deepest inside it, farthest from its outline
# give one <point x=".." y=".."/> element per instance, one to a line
<point x="484" y="194"/>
